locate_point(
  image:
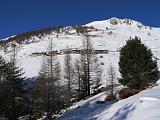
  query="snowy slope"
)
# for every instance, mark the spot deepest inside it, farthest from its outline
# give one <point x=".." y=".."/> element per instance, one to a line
<point x="109" y="34"/>
<point x="143" y="106"/>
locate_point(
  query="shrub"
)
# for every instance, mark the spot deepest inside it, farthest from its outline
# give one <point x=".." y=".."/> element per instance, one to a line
<point x="110" y="98"/>
<point x="127" y="92"/>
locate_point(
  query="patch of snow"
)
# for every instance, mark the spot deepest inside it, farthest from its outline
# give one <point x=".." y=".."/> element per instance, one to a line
<point x="126" y="109"/>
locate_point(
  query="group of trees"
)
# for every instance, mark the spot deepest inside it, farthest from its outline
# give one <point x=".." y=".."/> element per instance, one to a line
<point x="47" y="89"/>
<point x="12" y="93"/>
<point x="24" y="37"/>
<point x="58" y="85"/>
<point x="82" y="76"/>
<point x="57" y="88"/>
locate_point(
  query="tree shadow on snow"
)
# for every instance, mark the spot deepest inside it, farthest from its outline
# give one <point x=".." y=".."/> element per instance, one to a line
<point x="86" y="112"/>
<point x="92" y="115"/>
<point x="123" y="112"/>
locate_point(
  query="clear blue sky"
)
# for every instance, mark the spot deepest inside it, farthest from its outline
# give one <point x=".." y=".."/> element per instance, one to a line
<point x="17" y="16"/>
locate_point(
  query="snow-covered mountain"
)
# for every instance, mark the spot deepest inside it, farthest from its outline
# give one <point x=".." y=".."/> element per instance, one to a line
<point x="108" y="35"/>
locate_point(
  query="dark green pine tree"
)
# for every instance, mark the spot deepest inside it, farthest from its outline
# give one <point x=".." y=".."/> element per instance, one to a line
<point x="136" y="64"/>
<point x="2" y="67"/>
<point x="15" y="89"/>
<point x="3" y="88"/>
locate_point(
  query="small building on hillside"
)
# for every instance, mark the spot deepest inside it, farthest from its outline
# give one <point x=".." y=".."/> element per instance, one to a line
<point x="101" y="51"/>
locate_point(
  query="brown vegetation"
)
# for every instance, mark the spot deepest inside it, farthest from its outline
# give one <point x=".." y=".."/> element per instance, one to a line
<point x="127" y="92"/>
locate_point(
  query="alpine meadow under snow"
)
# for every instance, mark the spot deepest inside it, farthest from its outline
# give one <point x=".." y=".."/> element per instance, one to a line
<point x="107" y="35"/>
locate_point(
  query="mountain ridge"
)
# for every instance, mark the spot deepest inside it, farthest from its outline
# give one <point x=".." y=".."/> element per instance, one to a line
<point x="88" y="24"/>
<point x="110" y="35"/>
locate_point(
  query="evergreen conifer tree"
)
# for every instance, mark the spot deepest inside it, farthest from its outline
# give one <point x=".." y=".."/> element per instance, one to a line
<point x="136" y="64"/>
<point x="13" y="93"/>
